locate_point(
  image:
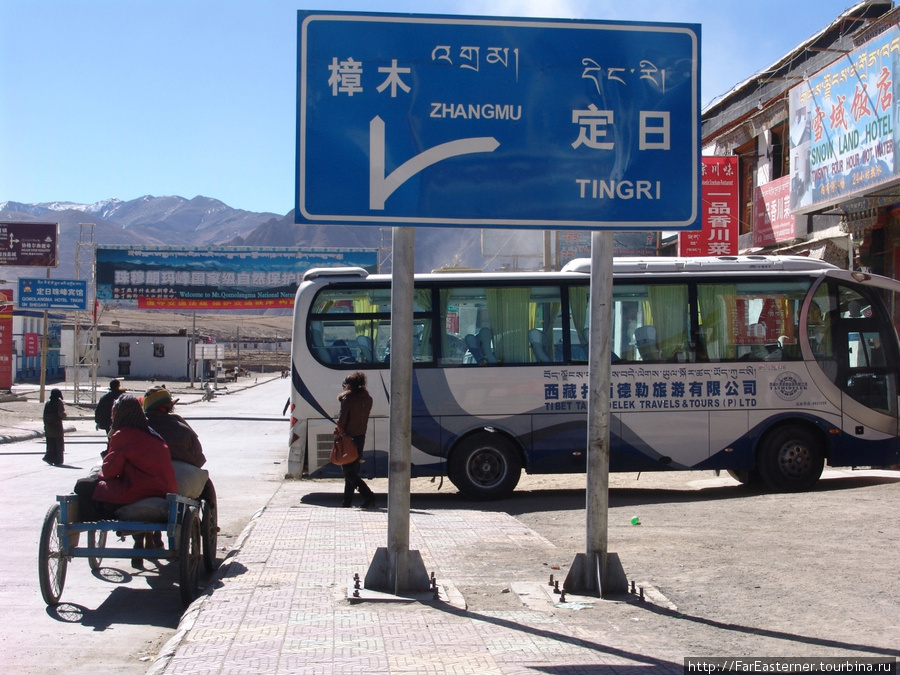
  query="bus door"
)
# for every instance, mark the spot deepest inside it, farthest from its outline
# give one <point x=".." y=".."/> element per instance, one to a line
<point x="858" y="352"/>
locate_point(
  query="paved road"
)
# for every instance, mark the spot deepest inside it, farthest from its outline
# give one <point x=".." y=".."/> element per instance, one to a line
<point x="118" y="620"/>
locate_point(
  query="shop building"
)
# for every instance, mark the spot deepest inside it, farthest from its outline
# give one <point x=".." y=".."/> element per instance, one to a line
<point x="814" y="135"/>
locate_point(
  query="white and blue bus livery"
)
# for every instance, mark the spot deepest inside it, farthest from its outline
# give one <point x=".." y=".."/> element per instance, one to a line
<point x="765" y="367"/>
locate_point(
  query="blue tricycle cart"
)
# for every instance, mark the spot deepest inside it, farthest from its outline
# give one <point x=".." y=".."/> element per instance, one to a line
<point x="191" y="529"/>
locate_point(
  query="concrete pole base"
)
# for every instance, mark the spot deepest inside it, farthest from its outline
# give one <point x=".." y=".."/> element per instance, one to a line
<point x="615" y="584"/>
<point x="383" y="574"/>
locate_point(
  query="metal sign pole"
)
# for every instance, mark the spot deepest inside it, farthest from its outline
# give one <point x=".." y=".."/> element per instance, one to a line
<point x="597" y="570"/>
<point x="396" y="569"/>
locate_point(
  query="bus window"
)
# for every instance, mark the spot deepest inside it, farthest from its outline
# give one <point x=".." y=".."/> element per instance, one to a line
<point x="501" y="325"/>
<point x="634" y="336"/>
<point x="749" y="321"/>
<point x="650" y="323"/>
<point x="350" y="326"/>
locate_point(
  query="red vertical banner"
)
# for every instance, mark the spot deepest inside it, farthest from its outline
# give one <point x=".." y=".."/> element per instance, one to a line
<point x="32" y="344"/>
<point x="773" y="221"/>
<point x="6" y="338"/>
<point x="719" y="211"/>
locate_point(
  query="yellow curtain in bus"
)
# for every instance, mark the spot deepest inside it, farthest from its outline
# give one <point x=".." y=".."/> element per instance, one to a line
<point x="714" y="313"/>
<point x="646" y="313"/>
<point x="670" y="311"/>
<point x="578" y="301"/>
<point x="366" y="329"/>
<point x="508" y="312"/>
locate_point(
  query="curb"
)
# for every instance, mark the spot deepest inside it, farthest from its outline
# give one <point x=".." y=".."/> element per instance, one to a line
<point x="20" y="436"/>
<point x="162" y="660"/>
<point x="16" y="435"/>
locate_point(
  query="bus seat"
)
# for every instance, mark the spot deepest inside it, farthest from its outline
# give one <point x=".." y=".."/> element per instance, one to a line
<point x="474" y="355"/>
<point x="485" y="337"/>
<point x="366" y="349"/>
<point x="318" y="341"/>
<point x="536" y="338"/>
<point x="645" y="341"/>
<point x="342" y="352"/>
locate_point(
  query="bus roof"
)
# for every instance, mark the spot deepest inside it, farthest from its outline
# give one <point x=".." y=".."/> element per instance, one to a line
<point x="624" y="265"/>
<point x="737" y="263"/>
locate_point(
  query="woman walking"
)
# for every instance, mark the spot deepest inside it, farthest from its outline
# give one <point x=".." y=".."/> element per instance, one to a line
<point x="54" y="414"/>
<point x="356" y="404"/>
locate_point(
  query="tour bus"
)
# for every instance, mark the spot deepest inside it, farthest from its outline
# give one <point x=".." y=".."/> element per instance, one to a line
<point x="766" y="367"/>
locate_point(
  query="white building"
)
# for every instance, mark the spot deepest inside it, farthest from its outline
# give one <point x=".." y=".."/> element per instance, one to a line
<point x="158" y="356"/>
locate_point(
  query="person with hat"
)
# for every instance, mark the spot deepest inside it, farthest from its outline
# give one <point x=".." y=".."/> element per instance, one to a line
<point x="103" y="411"/>
<point x="184" y="444"/>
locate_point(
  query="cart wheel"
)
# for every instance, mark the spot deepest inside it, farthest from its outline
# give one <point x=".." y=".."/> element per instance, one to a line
<point x="96" y="539"/>
<point x="52" y="563"/>
<point x="209" y="531"/>
<point x="189" y="555"/>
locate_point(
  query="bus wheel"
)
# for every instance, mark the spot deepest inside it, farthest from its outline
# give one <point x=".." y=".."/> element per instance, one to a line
<point x="791" y="459"/>
<point x="485" y="466"/>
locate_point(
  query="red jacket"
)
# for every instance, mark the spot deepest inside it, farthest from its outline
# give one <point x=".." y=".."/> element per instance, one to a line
<point x="136" y="465"/>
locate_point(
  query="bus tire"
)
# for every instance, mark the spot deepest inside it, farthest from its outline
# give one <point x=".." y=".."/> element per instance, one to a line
<point x="790" y="459"/>
<point x="485" y="466"/>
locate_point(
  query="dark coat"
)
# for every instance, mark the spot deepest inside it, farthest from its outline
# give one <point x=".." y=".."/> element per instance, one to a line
<point x="184" y="445"/>
<point x="103" y="411"/>
<point x="355" y="409"/>
<point x="54" y="414"/>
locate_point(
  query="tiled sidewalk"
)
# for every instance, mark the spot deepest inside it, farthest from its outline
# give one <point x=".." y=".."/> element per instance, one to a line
<point x="281" y="604"/>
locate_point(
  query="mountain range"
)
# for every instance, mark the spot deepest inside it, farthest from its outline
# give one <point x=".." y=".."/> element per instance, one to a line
<point x="207" y="222"/>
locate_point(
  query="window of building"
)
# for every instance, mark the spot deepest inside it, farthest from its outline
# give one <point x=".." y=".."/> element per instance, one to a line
<point x="124" y="350"/>
<point x="747" y="160"/>
<point x="159" y="349"/>
<point x="780" y="156"/>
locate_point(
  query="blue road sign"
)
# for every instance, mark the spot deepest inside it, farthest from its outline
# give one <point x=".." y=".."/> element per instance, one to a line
<point x="52" y="294"/>
<point x="489" y="122"/>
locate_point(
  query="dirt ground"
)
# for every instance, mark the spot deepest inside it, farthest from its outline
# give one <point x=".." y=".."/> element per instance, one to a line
<point x="726" y="570"/>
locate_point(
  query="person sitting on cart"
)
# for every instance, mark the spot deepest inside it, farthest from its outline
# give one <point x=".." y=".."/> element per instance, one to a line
<point x="184" y="444"/>
<point x="136" y="465"/>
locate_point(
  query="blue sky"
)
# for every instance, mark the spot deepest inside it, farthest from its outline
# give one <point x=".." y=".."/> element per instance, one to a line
<point x="116" y="98"/>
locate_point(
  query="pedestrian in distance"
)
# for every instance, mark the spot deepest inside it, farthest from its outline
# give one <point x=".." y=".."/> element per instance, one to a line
<point x="54" y="414"/>
<point x="356" y="404"/>
<point x="103" y="411"/>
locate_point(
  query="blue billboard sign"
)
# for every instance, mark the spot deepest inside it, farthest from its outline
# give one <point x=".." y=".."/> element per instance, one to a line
<point x="223" y="278"/>
<point x="844" y="127"/>
<point x="53" y="294"/>
<point x="490" y="122"/>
